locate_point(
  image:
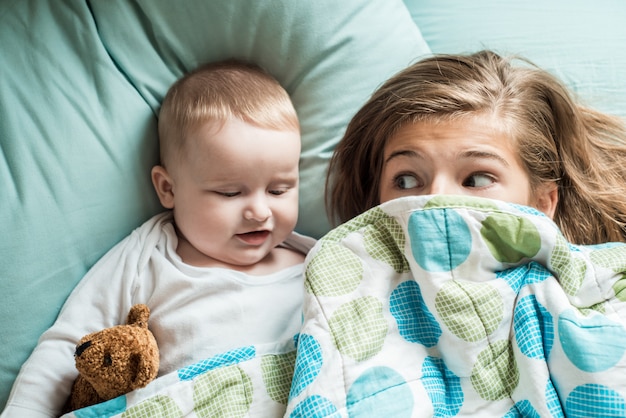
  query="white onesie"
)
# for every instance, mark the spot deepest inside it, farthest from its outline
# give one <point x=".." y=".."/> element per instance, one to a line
<point x="196" y="312"/>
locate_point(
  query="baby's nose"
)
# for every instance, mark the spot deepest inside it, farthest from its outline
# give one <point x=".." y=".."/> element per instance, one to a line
<point x="258" y="210"/>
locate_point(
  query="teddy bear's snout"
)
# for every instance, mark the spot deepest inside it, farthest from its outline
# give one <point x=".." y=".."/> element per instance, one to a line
<point x="81" y="348"/>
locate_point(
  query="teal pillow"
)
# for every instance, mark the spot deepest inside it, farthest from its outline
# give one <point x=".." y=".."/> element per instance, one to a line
<point x="77" y="142"/>
<point x="330" y="56"/>
<point x="582" y="42"/>
<point x="80" y="90"/>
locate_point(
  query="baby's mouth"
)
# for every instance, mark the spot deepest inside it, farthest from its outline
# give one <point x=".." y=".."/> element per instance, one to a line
<point x="254" y="237"/>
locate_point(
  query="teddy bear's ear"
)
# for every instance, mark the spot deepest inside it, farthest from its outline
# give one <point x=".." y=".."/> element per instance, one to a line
<point x="138" y="316"/>
<point x="145" y="365"/>
<point x="145" y="368"/>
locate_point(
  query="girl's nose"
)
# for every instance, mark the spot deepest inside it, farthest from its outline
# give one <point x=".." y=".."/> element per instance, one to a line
<point x="443" y="186"/>
<point x="257" y="210"/>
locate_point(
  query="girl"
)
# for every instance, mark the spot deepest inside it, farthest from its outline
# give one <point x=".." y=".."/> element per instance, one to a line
<point x="435" y="304"/>
<point x="491" y="129"/>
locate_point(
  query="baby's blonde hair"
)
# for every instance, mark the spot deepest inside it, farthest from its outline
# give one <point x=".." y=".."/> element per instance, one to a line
<point x="558" y="140"/>
<point x="217" y="92"/>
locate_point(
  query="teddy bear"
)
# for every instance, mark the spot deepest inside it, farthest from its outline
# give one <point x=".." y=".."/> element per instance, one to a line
<point x="114" y="361"/>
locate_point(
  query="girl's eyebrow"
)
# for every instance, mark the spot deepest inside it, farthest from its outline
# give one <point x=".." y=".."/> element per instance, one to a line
<point x="470" y="154"/>
<point x="402" y="153"/>
<point x="476" y="154"/>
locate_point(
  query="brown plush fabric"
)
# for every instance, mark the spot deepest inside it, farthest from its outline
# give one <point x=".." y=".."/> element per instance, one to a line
<point x="115" y="361"/>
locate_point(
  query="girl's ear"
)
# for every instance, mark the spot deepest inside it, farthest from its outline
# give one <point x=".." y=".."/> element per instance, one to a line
<point x="163" y="185"/>
<point x="547" y="197"/>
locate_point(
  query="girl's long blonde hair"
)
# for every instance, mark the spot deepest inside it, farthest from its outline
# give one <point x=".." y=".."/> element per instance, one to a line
<point x="582" y="150"/>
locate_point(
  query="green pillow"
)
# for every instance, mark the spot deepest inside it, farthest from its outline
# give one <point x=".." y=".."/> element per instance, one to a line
<point x="582" y="42"/>
<point x="80" y="89"/>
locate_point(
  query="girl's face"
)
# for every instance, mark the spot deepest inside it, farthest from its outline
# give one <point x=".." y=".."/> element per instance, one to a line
<point x="461" y="157"/>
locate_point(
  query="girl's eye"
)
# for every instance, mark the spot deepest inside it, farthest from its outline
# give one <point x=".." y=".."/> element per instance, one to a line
<point x="405" y="181"/>
<point x="479" y="180"/>
<point x="277" y="192"/>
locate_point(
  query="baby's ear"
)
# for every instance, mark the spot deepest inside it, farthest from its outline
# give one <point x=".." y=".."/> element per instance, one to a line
<point x="163" y="185"/>
<point x="547" y="197"/>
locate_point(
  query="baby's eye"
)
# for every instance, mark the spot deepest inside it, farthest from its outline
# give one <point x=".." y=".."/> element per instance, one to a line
<point x="405" y="181"/>
<point x="277" y="192"/>
<point x="479" y="180"/>
<point x="228" y="194"/>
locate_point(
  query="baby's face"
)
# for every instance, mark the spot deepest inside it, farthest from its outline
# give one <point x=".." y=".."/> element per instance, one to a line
<point x="236" y="193"/>
<point x="463" y="157"/>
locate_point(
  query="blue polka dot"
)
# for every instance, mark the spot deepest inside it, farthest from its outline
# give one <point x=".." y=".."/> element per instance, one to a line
<point x="415" y="322"/>
<point x="443" y="387"/>
<point x="552" y="401"/>
<point x="594" y="400"/>
<point x="103" y="410"/>
<point x="440" y="239"/>
<point x="604" y="246"/>
<point x="529" y="273"/>
<point x="573" y="247"/>
<point x="221" y="360"/>
<point x="514" y="276"/>
<point x="527" y="209"/>
<point x="534" y="328"/>
<point x="315" y="407"/>
<point x="380" y="392"/>
<point x="593" y="343"/>
<point x="523" y="409"/>
<point x="513" y="413"/>
<point x="536" y="273"/>
<point x="308" y="364"/>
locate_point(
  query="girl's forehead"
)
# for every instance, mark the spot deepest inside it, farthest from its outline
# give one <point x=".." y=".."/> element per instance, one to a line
<point x="470" y="132"/>
<point x="470" y="125"/>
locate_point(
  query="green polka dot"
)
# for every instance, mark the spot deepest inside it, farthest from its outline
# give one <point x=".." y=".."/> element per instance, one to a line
<point x="614" y="259"/>
<point x="333" y="271"/>
<point x="359" y="328"/>
<point x="384" y="241"/>
<point x="495" y="374"/>
<point x="277" y="373"/>
<point x="448" y="201"/>
<point x="619" y="287"/>
<point x="597" y="308"/>
<point x="366" y="218"/>
<point x="510" y="238"/>
<point x="155" y="407"/>
<point x="611" y="258"/>
<point x="471" y="311"/>
<point x="570" y="270"/>
<point x="225" y="392"/>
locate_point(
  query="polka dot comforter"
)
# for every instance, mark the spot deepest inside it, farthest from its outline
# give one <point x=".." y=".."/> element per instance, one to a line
<point x="250" y="381"/>
<point x="455" y="306"/>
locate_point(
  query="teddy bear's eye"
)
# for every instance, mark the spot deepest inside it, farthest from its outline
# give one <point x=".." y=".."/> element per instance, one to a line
<point x="81" y="348"/>
<point x="107" y="360"/>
